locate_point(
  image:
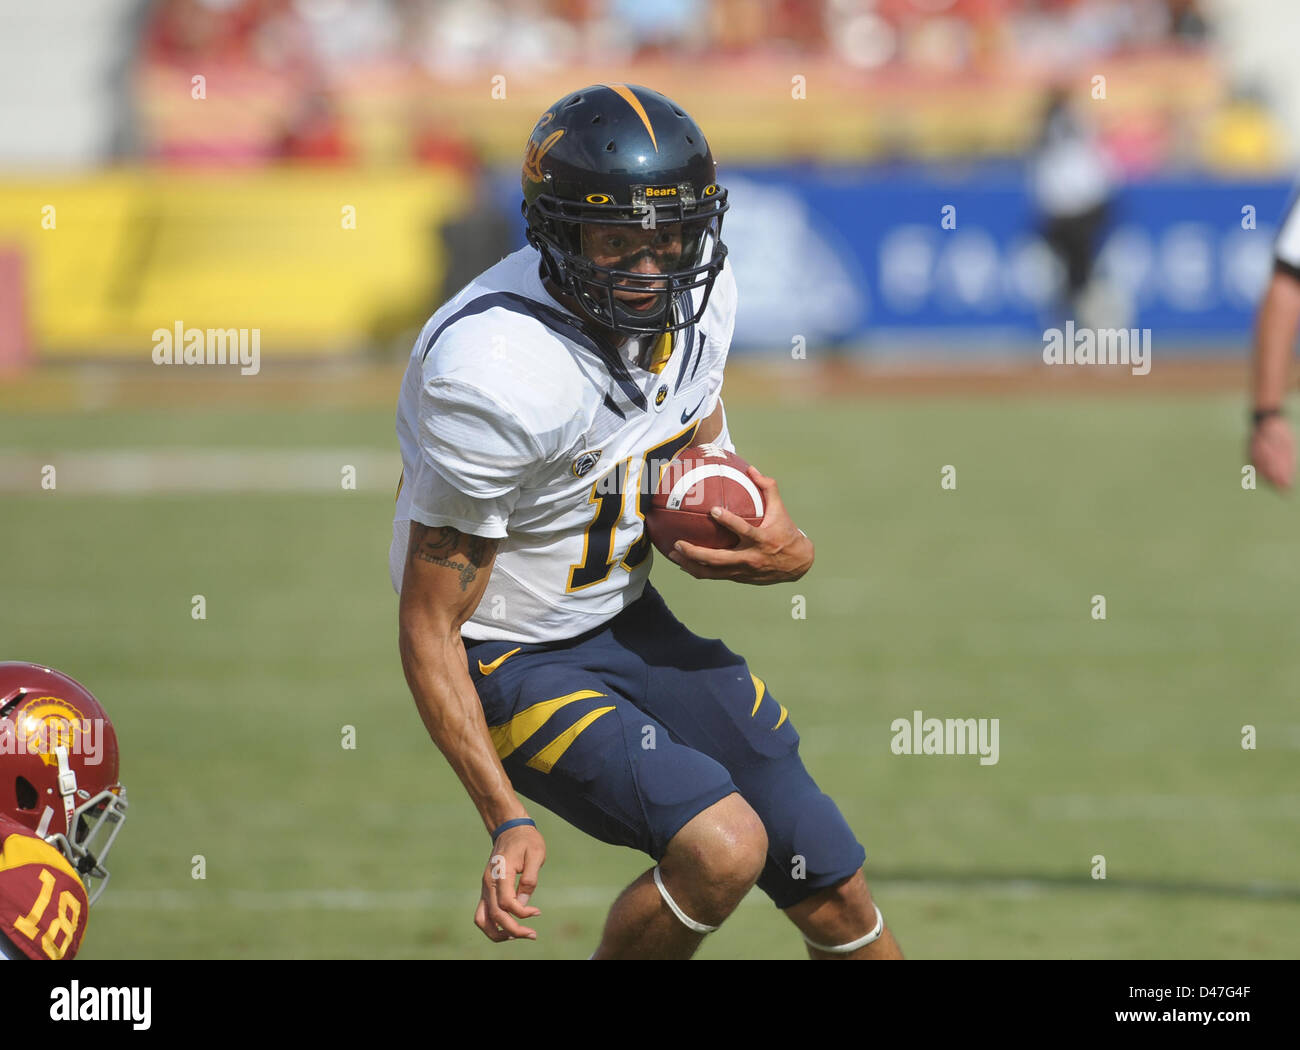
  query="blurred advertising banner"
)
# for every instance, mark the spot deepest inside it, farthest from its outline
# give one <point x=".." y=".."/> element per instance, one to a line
<point x="329" y="262"/>
<point x="958" y="262"/>
<point x="316" y="262"/>
<point x="857" y="258"/>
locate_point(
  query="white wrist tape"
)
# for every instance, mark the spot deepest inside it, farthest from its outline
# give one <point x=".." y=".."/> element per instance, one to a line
<point x="861" y="942"/>
<point x="687" y="921"/>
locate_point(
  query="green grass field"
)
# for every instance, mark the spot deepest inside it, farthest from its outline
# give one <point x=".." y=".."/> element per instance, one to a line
<point x="1119" y="737"/>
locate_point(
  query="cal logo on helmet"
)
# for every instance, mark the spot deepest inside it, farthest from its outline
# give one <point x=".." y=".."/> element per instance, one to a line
<point x="534" y="153"/>
<point x="583" y="464"/>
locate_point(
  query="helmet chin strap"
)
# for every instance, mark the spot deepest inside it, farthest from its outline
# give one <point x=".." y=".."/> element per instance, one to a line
<point x="67" y="788"/>
<point x="663" y="317"/>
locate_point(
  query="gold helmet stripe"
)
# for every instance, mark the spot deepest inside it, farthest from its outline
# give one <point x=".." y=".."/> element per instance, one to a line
<point x="625" y="93"/>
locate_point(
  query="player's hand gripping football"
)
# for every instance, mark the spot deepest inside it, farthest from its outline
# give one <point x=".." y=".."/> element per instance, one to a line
<point x="1272" y="450"/>
<point x="774" y="551"/>
<point x="519" y="853"/>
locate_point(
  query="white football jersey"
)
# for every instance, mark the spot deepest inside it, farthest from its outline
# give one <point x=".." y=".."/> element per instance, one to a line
<point x="515" y="424"/>
<point x="1286" y="246"/>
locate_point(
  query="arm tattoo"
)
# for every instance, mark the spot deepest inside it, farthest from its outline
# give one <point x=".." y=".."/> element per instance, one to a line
<point x="438" y="543"/>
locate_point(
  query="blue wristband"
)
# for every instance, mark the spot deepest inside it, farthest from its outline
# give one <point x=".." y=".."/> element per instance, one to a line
<point x="512" y="824"/>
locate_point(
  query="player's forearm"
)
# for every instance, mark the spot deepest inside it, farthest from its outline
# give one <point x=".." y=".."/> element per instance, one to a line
<point x="715" y="430"/>
<point x="1275" y="333"/>
<point x="711" y="427"/>
<point x="436" y="671"/>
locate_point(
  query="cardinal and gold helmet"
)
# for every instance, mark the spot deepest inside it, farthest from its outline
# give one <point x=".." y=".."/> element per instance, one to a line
<point x="59" y="767"/>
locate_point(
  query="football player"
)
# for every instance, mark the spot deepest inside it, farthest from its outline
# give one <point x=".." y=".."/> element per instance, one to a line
<point x="538" y="410"/>
<point x="61" y="807"/>
<point x="1272" y="443"/>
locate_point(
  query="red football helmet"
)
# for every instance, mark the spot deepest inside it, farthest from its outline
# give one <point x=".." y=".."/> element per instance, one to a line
<point x="58" y="767"/>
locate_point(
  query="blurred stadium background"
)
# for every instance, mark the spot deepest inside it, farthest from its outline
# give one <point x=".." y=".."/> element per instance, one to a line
<point x="911" y="183"/>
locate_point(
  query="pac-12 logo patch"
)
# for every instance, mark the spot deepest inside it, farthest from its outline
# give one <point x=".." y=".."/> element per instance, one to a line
<point x="583" y="464"/>
<point x="660" y="394"/>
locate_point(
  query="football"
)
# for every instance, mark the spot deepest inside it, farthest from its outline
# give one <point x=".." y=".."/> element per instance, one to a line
<point x="700" y="478"/>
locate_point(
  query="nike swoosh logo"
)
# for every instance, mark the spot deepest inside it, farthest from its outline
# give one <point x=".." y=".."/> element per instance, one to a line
<point x="487" y="669"/>
<point x="687" y="415"/>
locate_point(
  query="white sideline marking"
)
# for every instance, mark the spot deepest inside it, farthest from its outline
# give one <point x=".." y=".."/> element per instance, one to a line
<point x="1166" y="807"/>
<point x="124" y="471"/>
<point x="200" y="899"/>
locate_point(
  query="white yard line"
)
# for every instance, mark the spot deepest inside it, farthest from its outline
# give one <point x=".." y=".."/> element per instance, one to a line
<point x="132" y="471"/>
<point x="1196" y="808"/>
<point x="200" y="898"/>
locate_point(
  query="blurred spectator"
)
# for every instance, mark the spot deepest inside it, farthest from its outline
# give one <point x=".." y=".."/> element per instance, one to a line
<point x="1144" y="140"/>
<point x="182" y="31"/>
<point x="267" y="57"/>
<point x="315" y="132"/>
<point x="437" y="143"/>
<point x="1071" y="184"/>
<point x="667" y="29"/>
<point x="736" y="26"/>
<point x="801" y="24"/>
<point x="1186" y="22"/>
<point x="467" y="37"/>
<point x="1242" y="137"/>
<point x="346" y="32"/>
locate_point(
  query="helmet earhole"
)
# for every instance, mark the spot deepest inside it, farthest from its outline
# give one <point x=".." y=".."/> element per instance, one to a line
<point x="27" y="796"/>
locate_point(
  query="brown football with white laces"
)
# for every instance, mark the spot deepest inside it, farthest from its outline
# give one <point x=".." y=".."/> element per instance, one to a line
<point x="700" y="478"/>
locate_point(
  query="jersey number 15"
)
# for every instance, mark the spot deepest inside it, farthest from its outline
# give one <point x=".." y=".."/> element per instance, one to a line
<point x="608" y="494"/>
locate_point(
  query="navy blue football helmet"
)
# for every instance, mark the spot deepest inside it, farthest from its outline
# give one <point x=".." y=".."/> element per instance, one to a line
<point x="621" y="156"/>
